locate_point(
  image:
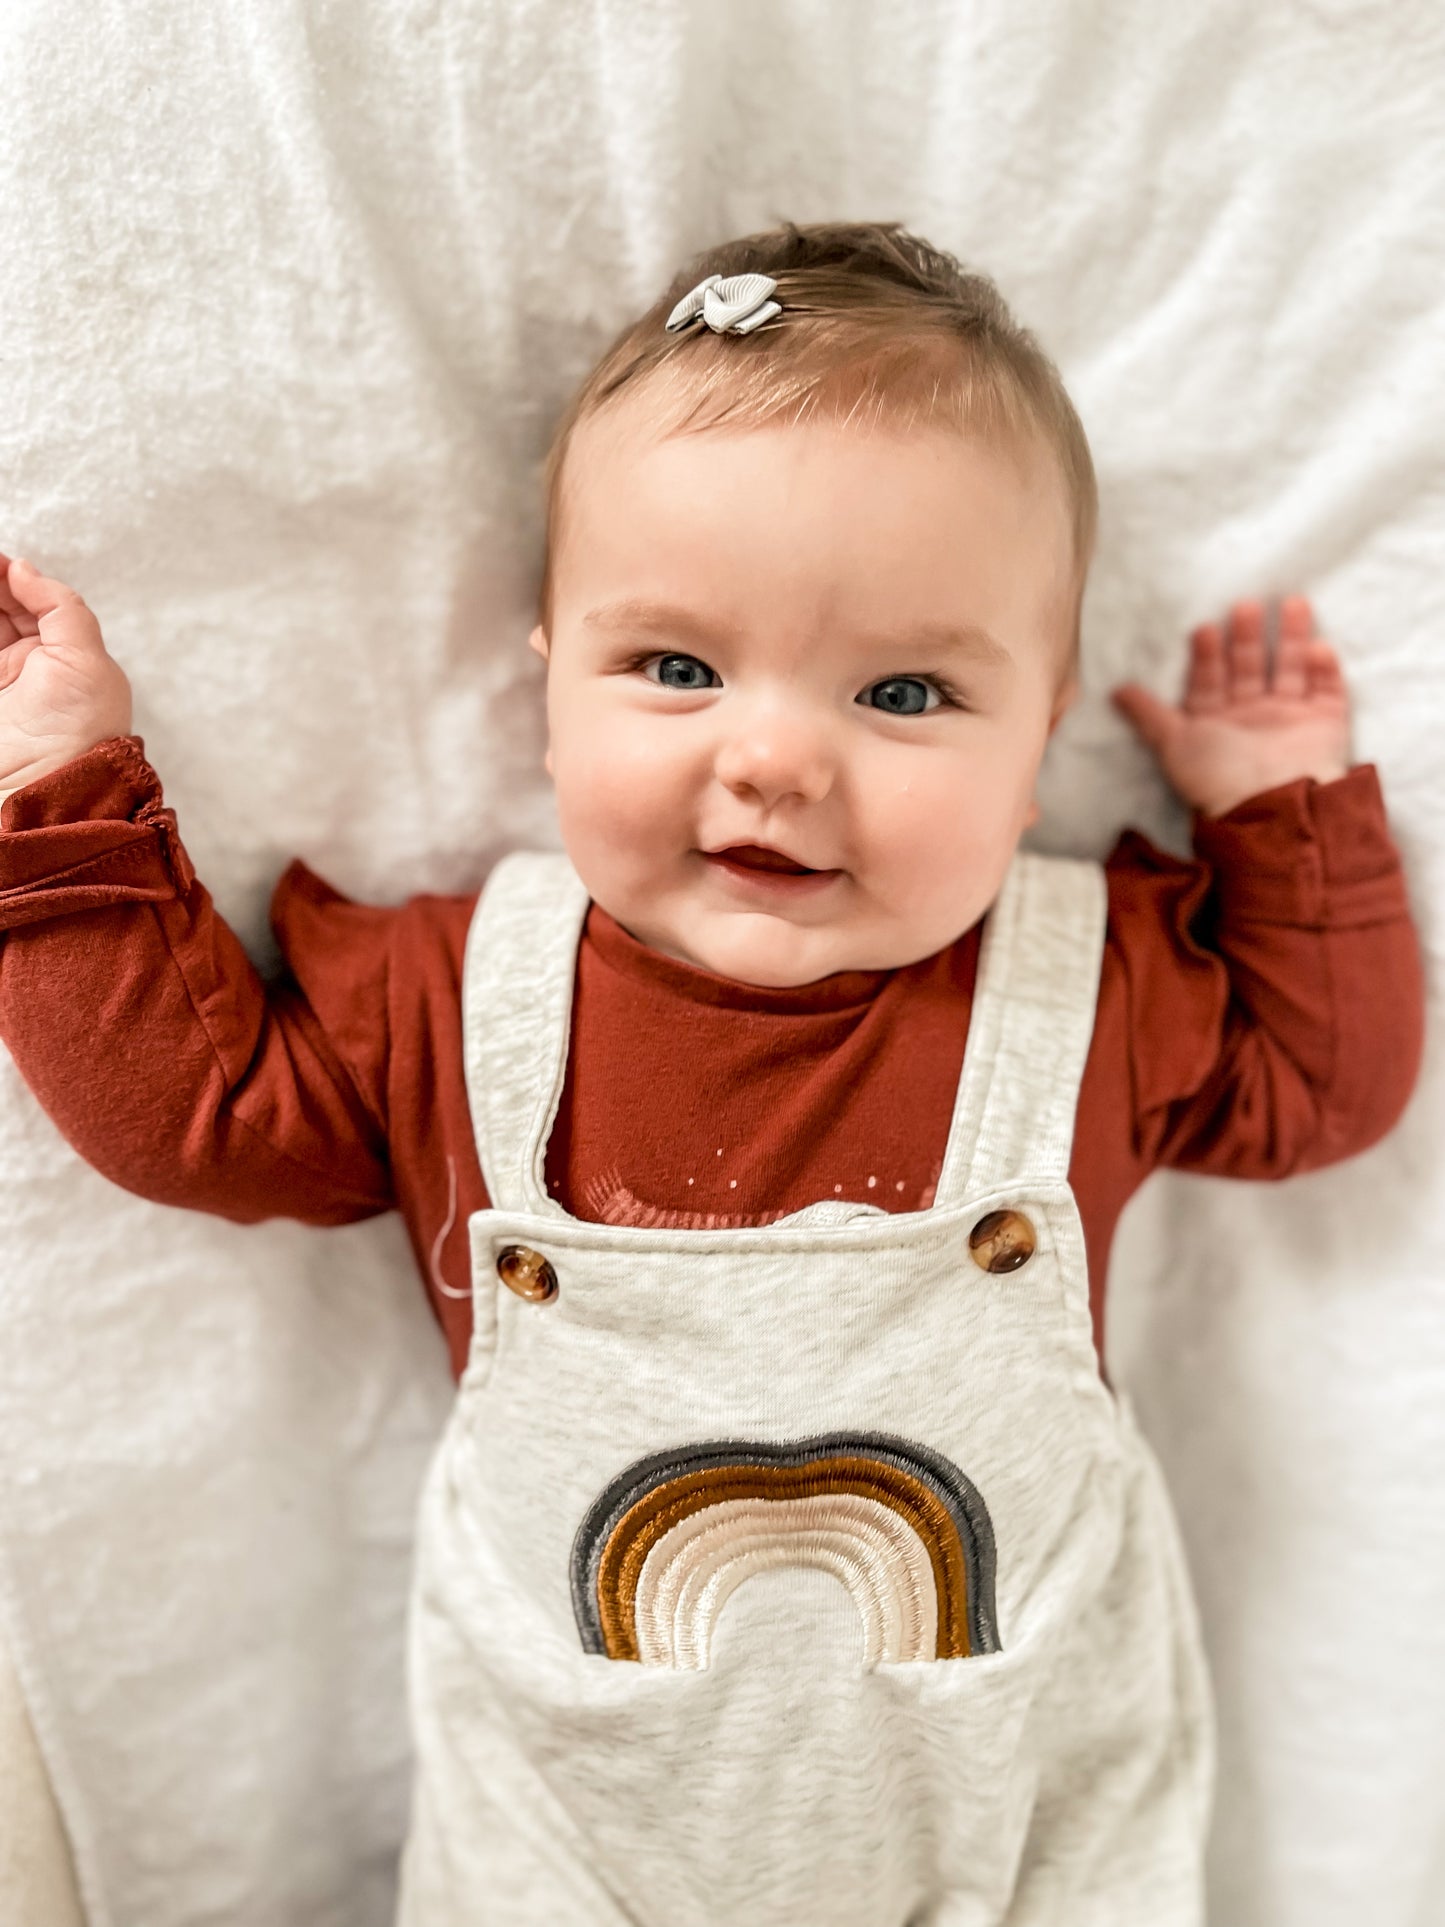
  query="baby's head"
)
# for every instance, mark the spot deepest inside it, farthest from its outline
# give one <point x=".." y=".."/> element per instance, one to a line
<point x="811" y="608"/>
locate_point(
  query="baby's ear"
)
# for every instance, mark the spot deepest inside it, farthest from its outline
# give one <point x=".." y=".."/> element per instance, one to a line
<point x="1068" y="695"/>
<point x="538" y="641"/>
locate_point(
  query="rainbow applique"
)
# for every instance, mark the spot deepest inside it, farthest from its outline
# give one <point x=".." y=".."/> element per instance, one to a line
<point x="669" y="1541"/>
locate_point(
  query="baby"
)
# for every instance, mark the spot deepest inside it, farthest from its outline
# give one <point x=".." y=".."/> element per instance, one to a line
<point x="787" y="1558"/>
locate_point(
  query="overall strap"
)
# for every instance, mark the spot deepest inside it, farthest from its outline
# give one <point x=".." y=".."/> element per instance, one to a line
<point x="520" y="963"/>
<point x="1028" y="1035"/>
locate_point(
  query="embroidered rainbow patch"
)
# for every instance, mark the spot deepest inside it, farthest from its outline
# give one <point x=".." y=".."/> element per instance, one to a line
<point x="669" y="1541"/>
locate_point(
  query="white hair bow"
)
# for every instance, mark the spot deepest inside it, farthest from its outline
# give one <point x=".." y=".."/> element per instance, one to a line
<point x="735" y="306"/>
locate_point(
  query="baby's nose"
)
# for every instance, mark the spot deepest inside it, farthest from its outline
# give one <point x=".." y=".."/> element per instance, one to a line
<point x="776" y="755"/>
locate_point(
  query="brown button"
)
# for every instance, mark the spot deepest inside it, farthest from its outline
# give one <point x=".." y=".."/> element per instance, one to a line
<point x="1002" y="1241"/>
<point x="527" y="1273"/>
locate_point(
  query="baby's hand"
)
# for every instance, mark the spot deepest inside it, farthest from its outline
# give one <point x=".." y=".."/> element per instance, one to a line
<point x="60" y="693"/>
<point x="1243" y="725"/>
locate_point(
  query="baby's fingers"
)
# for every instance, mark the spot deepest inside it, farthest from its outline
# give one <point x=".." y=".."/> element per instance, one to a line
<point x="1292" y="652"/>
<point x="39" y="604"/>
<point x="1322" y="666"/>
<point x="1245" y="652"/>
<point x="1204" y="685"/>
<point x="12" y="609"/>
<point x="1152" y="720"/>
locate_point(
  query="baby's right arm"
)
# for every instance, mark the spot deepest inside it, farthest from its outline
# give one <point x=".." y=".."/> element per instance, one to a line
<point x="129" y="1006"/>
<point x="60" y="693"/>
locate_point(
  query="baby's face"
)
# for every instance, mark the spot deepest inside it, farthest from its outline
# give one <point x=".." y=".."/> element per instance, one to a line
<point x="800" y="681"/>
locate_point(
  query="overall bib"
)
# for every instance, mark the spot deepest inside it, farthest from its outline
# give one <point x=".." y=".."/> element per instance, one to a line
<point x="806" y="1574"/>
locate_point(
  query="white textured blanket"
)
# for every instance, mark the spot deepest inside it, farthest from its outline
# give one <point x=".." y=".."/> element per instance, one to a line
<point x="294" y="290"/>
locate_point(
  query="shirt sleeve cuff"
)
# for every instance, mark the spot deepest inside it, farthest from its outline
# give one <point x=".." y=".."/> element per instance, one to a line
<point x="111" y="781"/>
<point x="1306" y="853"/>
<point x="92" y="833"/>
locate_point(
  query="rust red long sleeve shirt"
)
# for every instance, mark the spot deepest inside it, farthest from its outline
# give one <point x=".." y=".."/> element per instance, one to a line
<point x="1260" y="1013"/>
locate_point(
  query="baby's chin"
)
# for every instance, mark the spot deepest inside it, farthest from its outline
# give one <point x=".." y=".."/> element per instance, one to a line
<point x="767" y="951"/>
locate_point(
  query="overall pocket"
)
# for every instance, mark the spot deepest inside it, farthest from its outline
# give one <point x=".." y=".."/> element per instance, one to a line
<point x="960" y="1727"/>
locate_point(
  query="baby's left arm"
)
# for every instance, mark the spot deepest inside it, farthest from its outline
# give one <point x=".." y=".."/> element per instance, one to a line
<point x="1274" y="990"/>
<point x="1245" y="724"/>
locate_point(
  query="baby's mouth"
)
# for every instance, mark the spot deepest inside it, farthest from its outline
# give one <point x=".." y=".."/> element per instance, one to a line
<point x="755" y="856"/>
<point x="757" y="863"/>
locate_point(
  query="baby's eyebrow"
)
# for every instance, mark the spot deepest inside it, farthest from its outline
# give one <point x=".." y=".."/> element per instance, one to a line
<point x="634" y="612"/>
<point x="667" y="618"/>
<point x="956" y="638"/>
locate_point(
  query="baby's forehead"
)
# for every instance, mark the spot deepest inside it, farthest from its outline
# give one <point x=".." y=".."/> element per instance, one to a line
<point x="635" y="423"/>
<point x="917" y="487"/>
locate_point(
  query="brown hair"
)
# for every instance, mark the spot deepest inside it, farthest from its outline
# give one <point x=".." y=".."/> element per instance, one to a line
<point x="876" y="326"/>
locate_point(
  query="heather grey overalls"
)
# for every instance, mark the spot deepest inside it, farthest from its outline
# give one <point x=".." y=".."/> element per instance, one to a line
<point x="806" y="1574"/>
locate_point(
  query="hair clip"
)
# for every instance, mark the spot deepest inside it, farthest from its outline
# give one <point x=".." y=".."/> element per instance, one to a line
<point x="735" y="306"/>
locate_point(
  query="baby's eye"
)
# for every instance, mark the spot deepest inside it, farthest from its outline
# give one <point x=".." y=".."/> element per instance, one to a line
<point x="680" y="672"/>
<point x="901" y="696"/>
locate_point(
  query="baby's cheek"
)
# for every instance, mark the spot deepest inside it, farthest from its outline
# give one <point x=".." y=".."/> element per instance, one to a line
<point x="616" y="795"/>
<point x="919" y="818"/>
<point x="940" y="843"/>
